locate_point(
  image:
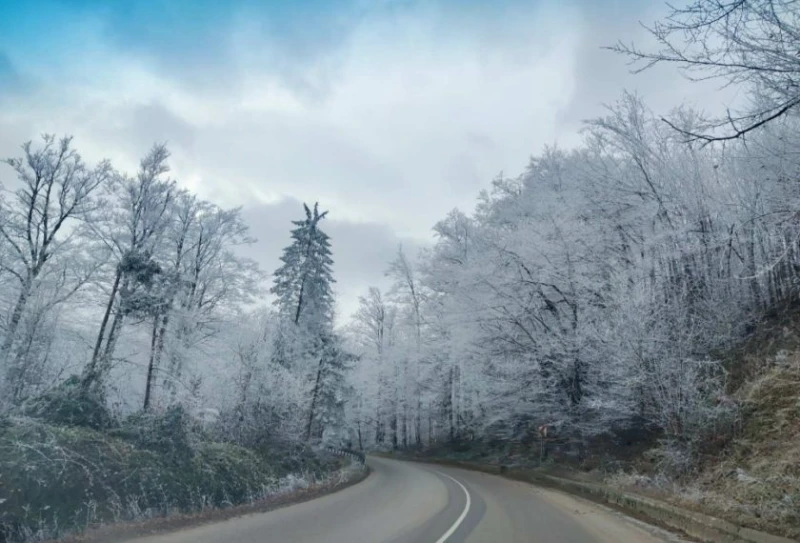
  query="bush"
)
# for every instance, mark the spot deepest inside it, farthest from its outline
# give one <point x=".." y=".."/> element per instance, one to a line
<point x="69" y="404"/>
<point x="674" y="459"/>
<point x="169" y="433"/>
<point x="56" y="479"/>
<point x="293" y="457"/>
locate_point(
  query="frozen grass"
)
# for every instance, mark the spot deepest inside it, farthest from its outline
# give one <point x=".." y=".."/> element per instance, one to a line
<point x="56" y="480"/>
<point x="755" y="479"/>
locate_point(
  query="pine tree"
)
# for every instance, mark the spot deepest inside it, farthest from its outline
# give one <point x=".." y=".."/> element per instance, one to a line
<point x="330" y="388"/>
<point x="306" y="342"/>
<point x="303" y="283"/>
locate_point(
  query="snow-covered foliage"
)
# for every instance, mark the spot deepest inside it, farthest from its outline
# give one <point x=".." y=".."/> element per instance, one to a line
<point x="124" y="293"/>
<point x="590" y="293"/>
<point x="305" y="343"/>
<point x="594" y="292"/>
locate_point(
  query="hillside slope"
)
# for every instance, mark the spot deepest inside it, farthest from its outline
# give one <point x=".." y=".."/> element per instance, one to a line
<point x="752" y="478"/>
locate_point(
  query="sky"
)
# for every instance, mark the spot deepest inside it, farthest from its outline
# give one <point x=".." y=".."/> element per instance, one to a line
<point x="390" y="113"/>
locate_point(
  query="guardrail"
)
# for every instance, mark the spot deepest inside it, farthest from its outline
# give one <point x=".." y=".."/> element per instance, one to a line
<point x="360" y="457"/>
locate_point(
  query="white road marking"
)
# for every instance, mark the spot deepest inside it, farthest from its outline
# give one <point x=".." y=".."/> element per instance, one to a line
<point x="463" y="515"/>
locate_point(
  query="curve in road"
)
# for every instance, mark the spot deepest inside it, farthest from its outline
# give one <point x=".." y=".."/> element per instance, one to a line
<point x="403" y="502"/>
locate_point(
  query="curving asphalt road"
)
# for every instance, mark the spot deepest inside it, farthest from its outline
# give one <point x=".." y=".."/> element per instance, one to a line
<point x="403" y="502"/>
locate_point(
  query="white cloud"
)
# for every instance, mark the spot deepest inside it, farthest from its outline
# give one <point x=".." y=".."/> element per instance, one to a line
<point x="404" y="117"/>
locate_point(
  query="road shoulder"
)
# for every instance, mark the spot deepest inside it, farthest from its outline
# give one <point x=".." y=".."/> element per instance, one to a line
<point x="603" y="521"/>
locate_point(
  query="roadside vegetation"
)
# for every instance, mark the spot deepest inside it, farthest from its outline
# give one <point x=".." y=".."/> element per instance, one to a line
<point x="139" y="376"/>
<point x="753" y="477"/>
<point x="58" y="478"/>
<point x="624" y="310"/>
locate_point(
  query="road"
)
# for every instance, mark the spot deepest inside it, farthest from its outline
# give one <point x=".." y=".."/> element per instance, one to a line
<point x="404" y="502"/>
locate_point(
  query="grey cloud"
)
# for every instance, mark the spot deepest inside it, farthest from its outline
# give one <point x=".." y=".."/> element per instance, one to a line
<point x="154" y="122"/>
<point x="131" y="129"/>
<point x="601" y="75"/>
<point x="204" y="54"/>
<point x="361" y="251"/>
<point x="285" y="155"/>
<point x="378" y="149"/>
<point x="123" y="133"/>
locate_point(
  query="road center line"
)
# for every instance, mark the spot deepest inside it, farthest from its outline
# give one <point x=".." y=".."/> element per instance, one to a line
<point x="463" y="515"/>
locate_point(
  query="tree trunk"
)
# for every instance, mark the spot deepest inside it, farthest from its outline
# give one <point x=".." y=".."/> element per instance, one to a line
<point x="162" y="330"/>
<point x="151" y="364"/>
<point x="23" y="363"/>
<point x="14" y="373"/>
<point x="313" y="401"/>
<point x="418" y="423"/>
<point x="378" y="421"/>
<point x="393" y="420"/>
<point x="404" y="424"/>
<point x="176" y="360"/>
<point x="755" y="288"/>
<point x="13" y="323"/>
<point x="430" y="425"/>
<point x="418" y="416"/>
<point x="448" y="406"/>
<point x="90" y="374"/>
<point x="300" y="301"/>
<point x="111" y="343"/>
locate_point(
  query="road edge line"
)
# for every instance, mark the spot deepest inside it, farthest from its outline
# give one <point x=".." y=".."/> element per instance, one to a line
<point x="463" y="515"/>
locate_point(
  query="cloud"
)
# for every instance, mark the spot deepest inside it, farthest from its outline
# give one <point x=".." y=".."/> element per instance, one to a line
<point x="601" y="75"/>
<point x="390" y="113"/>
<point x="362" y="251"/>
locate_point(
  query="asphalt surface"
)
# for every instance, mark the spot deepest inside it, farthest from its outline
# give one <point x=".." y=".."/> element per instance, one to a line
<point x="404" y="502"/>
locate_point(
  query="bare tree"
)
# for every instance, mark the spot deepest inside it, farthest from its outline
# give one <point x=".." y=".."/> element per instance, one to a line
<point x="755" y="43"/>
<point x="56" y="188"/>
<point x="373" y="328"/>
<point x="372" y="316"/>
<point x="407" y="290"/>
<point x="205" y="279"/>
<point x="132" y="232"/>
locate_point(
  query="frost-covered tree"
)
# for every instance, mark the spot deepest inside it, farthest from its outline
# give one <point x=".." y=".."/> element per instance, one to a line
<point x="302" y="286"/>
<point x="305" y="342"/>
<point x="407" y="291"/>
<point x="132" y="231"/>
<point x="593" y="292"/>
<point x="41" y="232"/>
<point x="303" y="283"/>
<point x="206" y="279"/>
<point x="374" y="405"/>
<point x="261" y="402"/>
<point x="330" y="389"/>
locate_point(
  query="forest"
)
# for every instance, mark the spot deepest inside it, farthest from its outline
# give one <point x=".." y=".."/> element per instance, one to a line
<point x="596" y="291"/>
<point x="593" y="294"/>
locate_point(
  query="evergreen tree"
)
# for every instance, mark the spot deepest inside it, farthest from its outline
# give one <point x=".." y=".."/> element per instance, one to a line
<point x="305" y="341"/>
<point x="330" y="388"/>
<point x="303" y="282"/>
